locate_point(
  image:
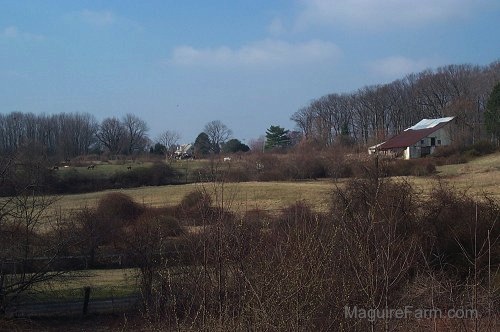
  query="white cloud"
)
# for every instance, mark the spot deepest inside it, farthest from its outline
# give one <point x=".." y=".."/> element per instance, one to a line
<point x="398" y="66"/>
<point x="98" y="18"/>
<point x="266" y="52"/>
<point x="13" y="32"/>
<point x="382" y="13"/>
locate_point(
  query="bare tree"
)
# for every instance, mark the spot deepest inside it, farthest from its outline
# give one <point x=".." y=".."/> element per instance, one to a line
<point x="28" y="251"/>
<point x="136" y="132"/>
<point x="304" y="118"/>
<point x="77" y="133"/>
<point x="257" y="144"/>
<point x="218" y="133"/>
<point x="373" y="113"/>
<point x="169" y="139"/>
<point x="112" y="134"/>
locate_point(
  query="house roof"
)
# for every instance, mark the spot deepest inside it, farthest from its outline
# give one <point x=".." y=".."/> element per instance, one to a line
<point x="414" y="134"/>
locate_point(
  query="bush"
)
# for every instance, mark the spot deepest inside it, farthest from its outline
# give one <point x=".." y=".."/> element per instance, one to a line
<point x="195" y="208"/>
<point x="235" y="174"/>
<point x="269" y="167"/>
<point x="74" y="182"/>
<point x="195" y="200"/>
<point x="480" y="148"/>
<point x="460" y="226"/>
<point x="382" y="244"/>
<point x="170" y="226"/>
<point x="205" y="174"/>
<point x="446" y="151"/>
<point x="455" y="154"/>
<point x="118" y="207"/>
<point x="259" y="217"/>
<point x="306" y="166"/>
<point x="295" y="216"/>
<point x="414" y="167"/>
<point x="342" y="169"/>
<point x="156" y="175"/>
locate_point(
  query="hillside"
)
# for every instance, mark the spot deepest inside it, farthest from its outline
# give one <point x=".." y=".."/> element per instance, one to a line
<point x="481" y="175"/>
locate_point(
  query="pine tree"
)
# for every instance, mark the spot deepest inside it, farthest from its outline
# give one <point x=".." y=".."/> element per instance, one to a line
<point x="276" y="137"/>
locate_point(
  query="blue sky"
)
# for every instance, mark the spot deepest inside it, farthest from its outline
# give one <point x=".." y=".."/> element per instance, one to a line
<point x="179" y="64"/>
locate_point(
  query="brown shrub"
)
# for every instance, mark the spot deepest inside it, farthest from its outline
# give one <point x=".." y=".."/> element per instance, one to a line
<point x="294" y="216"/>
<point x="415" y="167"/>
<point x="118" y="208"/>
<point x="196" y="200"/>
<point x="261" y="217"/>
<point x="196" y="209"/>
<point x="235" y="174"/>
<point x="306" y="166"/>
<point x="460" y="228"/>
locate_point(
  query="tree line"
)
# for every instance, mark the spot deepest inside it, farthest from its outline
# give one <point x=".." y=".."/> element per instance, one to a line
<point x="366" y="116"/>
<point x="68" y="135"/>
<point x="373" y="113"/>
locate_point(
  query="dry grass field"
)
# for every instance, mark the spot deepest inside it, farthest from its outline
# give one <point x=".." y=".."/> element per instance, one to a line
<point x="238" y="197"/>
<point x="479" y="176"/>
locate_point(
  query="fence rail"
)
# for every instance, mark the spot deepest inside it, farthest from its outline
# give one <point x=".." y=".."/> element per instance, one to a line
<point x="73" y="308"/>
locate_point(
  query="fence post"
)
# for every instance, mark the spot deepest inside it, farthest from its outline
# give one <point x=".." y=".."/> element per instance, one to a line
<point x="86" y="300"/>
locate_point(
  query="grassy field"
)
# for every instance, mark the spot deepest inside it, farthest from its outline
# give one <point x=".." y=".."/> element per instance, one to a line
<point x="238" y="197"/>
<point x="481" y="175"/>
<point x="103" y="170"/>
<point x="478" y="176"/>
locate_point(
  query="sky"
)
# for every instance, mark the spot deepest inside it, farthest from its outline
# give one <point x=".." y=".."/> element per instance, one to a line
<point x="179" y="64"/>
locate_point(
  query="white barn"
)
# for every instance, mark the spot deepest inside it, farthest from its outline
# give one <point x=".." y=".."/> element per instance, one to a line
<point x="417" y="141"/>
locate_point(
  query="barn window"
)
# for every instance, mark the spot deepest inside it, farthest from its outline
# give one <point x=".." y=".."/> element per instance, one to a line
<point x="439" y="142"/>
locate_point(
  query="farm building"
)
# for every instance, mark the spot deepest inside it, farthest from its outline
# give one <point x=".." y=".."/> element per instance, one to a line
<point x="417" y="141"/>
<point x="184" y="151"/>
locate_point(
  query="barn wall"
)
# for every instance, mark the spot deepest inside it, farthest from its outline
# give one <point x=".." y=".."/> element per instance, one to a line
<point x="441" y="138"/>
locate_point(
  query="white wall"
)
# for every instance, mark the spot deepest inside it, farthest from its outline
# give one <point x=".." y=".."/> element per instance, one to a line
<point x="441" y="136"/>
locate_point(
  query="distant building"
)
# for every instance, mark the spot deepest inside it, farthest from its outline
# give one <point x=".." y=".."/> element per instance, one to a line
<point x="417" y="141"/>
<point x="184" y="151"/>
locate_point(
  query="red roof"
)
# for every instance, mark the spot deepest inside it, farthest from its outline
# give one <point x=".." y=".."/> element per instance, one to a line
<point x="409" y="137"/>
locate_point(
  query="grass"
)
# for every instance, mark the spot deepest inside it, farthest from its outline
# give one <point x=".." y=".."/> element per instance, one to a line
<point x="481" y="175"/>
<point x="237" y="196"/>
<point x="100" y="171"/>
<point x="103" y="283"/>
<point x="107" y="169"/>
<point x="187" y="169"/>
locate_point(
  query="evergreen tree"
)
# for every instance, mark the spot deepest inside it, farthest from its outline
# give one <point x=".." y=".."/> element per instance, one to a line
<point x="202" y="145"/>
<point x="277" y="137"/>
<point x="234" y="145"/>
